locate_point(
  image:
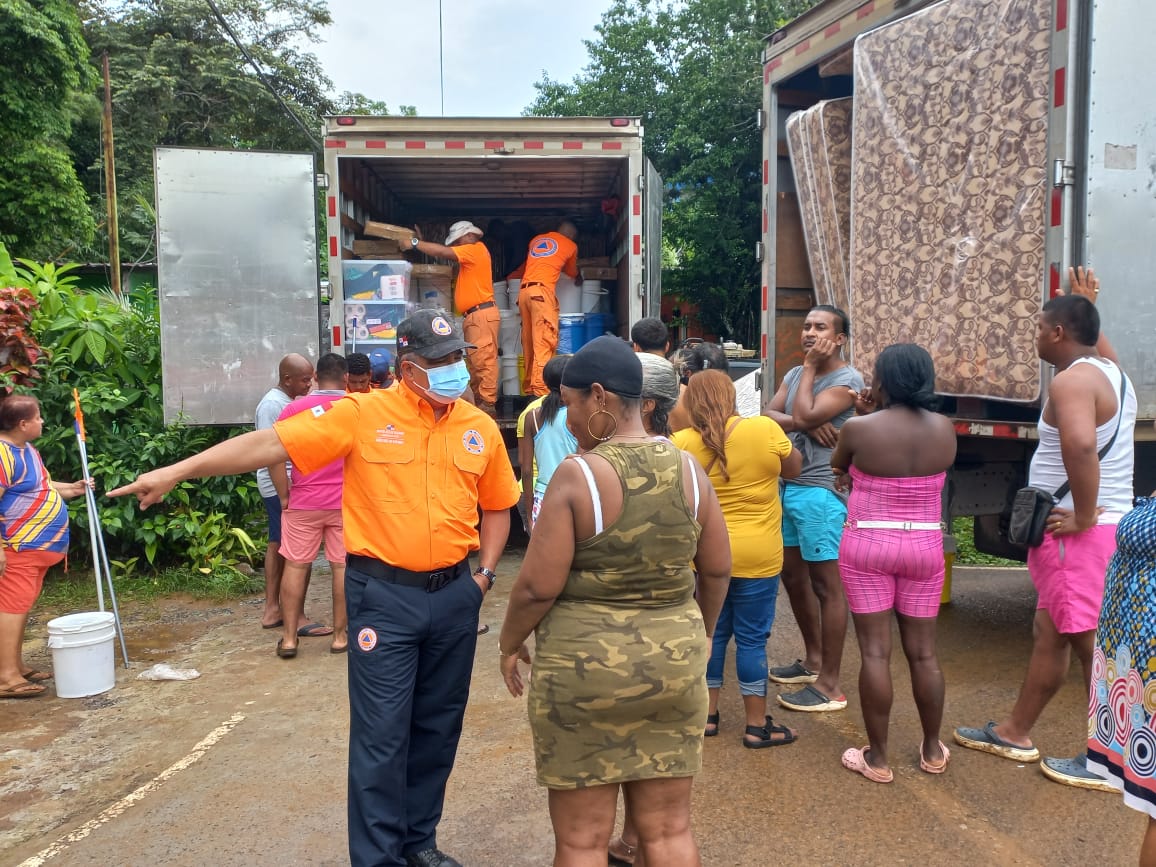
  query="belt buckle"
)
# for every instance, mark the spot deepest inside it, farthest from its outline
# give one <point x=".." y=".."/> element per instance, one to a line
<point x="907" y="525"/>
<point x="437" y="580"/>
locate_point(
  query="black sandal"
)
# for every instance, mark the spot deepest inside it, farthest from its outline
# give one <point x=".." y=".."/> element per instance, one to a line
<point x="711" y="720"/>
<point x="766" y="736"/>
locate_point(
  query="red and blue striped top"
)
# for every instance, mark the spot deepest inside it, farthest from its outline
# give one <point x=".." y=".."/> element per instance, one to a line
<point x="33" y="516"/>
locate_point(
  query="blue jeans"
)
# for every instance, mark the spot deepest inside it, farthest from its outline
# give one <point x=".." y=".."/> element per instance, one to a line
<point x="747" y="614"/>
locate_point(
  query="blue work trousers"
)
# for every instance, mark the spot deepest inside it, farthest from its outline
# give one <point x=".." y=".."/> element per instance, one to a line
<point x="411" y="654"/>
<point x="747" y="614"/>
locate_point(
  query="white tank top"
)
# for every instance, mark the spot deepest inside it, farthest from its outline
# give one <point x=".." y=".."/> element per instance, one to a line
<point x="1115" y="496"/>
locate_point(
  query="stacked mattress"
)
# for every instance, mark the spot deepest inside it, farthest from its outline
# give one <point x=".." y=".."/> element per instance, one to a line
<point x="946" y="195"/>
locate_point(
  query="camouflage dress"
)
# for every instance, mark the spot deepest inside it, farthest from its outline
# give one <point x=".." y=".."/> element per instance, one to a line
<point x="618" y="691"/>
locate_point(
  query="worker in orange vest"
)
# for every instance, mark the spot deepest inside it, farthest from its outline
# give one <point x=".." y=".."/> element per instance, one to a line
<point x="549" y="256"/>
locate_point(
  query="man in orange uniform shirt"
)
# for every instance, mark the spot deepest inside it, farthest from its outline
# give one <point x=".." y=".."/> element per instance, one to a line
<point x="474" y="299"/>
<point x="418" y="465"/>
<point x="549" y="256"/>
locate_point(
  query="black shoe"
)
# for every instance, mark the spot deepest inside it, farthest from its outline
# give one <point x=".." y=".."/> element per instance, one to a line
<point x="430" y="858"/>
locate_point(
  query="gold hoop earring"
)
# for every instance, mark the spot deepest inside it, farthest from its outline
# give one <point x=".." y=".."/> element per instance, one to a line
<point x="613" y="430"/>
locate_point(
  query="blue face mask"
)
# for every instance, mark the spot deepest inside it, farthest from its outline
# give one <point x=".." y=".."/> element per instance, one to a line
<point x="447" y="383"/>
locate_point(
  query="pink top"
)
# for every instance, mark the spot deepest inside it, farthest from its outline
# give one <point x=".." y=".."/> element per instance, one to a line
<point x="322" y="489"/>
<point x="903" y="498"/>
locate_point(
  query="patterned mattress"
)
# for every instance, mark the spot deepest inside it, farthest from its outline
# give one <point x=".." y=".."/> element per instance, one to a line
<point x="820" y="145"/>
<point x="949" y="188"/>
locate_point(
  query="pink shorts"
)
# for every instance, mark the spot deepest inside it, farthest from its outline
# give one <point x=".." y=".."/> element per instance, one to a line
<point x="303" y="530"/>
<point x="1068" y="572"/>
<point x="886" y="569"/>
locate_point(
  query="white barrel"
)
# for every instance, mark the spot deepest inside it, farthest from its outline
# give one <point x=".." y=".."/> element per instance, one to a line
<point x="510" y="334"/>
<point x="511" y="380"/>
<point x="592" y="295"/>
<point x="569" y="296"/>
<point x="513" y="287"/>
<point x="501" y="298"/>
<point x="82" y="653"/>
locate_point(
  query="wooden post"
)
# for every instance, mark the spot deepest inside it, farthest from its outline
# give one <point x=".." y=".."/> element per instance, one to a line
<point x="110" y="181"/>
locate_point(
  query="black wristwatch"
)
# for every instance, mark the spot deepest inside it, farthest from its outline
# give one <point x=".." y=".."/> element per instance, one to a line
<point x="489" y="574"/>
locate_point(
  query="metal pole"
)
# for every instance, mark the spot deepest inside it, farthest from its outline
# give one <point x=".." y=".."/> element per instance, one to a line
<point x="441" y="59"/>
<point x="110" y="181"/>
<point x="107" y="573"/>
<point x="91" y="522"/>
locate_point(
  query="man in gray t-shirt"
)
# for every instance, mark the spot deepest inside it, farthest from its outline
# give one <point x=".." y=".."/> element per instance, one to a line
<point x="294" y="380"/>
<point x="811" y="405"/>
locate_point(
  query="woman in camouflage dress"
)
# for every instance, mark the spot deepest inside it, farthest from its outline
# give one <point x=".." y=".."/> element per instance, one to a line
<point x="618" y="696"/>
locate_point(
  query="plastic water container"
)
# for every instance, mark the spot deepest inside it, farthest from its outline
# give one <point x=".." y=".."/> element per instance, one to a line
<point x="571" y="333"/>
<point x="82" y="653"/>
<point x="510" y="370"/>
<point x="513" y="287"/>
<point x="510" y="333"/>
<point x="597" y="324"/>
<point x="501" y="298"/>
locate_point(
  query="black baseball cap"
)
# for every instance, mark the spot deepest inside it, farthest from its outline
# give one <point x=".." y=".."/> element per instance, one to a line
<point x="430" y="334"/>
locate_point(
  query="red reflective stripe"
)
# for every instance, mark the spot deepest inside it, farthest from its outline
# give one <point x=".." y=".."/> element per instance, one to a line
<point x="766" y="73"/>
<point x="764" y="353"/>
<point x="1061" y="15"/>
<point x="334" y="143"/>
<point x="1053" y="280"/>
<point x="774" y="63"/>
<point x="571" y="145"/>
<point x="1057" y="206"/>
<point x="833" y="29"/>
<point x="764" y="298"/>
<point x="455" y="145"/>
<point x="495" y="145"/>
<point x="1061" y="84"/>
<point x="803" y="47"/>
<point x="376" y="143"/>
<point x="865" y="10"/>
<point x="333" y="246"/>
<point x="611" y="145"/>
<point x="637" y="205"/>
<point x="1005" y="431"/>
<point x="637" y="245"/>
<point x="415" y="146"/>
<point x="333" y="206"/>
<point x="533" y="145"/>
<point x="764" y="219"/>
<point x="766" y="172"/>
<point x="336" y="335"/>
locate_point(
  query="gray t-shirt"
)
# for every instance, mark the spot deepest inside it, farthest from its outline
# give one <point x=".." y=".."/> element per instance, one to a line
<point x="816" y="458"/>
<point x="268" y="411"/>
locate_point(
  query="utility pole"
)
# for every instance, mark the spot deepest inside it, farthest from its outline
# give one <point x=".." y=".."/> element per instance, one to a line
<point x="110" y="181"/>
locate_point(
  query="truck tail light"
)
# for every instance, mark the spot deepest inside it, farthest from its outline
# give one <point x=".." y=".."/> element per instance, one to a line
<point x="346" y="121"/>
<point x="620" y="122"/>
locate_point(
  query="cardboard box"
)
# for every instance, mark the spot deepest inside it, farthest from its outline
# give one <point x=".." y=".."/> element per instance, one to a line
<point x="423" y="272"/>
<point x="594" y="262"/>
<point x="377" y="249"/>
<point x="385" y="230"/>
<point x="599" y="273"/>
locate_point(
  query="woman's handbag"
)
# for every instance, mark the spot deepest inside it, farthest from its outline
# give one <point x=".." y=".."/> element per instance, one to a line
<point x="1031" y="506"/>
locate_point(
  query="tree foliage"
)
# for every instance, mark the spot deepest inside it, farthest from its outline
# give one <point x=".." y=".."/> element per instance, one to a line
<point x="44" y="73"/>
<point x="692" y="71"/>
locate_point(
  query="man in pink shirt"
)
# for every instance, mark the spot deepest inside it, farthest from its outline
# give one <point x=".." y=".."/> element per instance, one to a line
<point x="312" y="513"/>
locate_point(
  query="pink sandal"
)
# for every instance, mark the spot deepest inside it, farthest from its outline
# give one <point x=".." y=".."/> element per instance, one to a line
<point x="855" y="760"/>
<point x="934" y="768"/>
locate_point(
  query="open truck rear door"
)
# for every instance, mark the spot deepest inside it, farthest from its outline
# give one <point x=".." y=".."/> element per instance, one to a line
<point x="652" y="241"/>
<point x="237" y="268"/>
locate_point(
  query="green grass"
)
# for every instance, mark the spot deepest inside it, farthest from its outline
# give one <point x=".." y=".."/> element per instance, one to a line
<point x="965" y="552"/>
<point x="78" y="588"/>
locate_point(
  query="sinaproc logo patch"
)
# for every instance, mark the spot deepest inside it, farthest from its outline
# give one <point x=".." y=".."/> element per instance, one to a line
<point x="367" y="639"/>
<point x="544" y="247"/>
<point x="441" y="327"/>
<point x="474" y="442"/>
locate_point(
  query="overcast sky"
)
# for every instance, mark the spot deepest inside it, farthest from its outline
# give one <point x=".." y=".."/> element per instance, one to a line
<point x="494" y="50"/>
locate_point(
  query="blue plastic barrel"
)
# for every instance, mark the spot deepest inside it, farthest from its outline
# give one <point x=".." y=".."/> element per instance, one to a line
<point x="571" y="333"/>
<point x="598" y="324"/>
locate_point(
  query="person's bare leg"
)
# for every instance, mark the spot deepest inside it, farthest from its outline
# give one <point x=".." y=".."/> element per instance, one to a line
<point x="1047" y="670"/>
<point x="828" y="587"/>
<point x="583" y="821"/>
<point x="918" y="637"/>
<point x="292" y="593"/>
<point x="875" y="690"/>
<point x="1084" y="646"/>
<point x="340" y="621"/>
<point x="1148" y="847"/>
<point x="661" y="810"/>
<point x="804" y="605"/>
<point x="12" y="649"/>
<point x="274" y="564"/>
<point x="712" y="708"/>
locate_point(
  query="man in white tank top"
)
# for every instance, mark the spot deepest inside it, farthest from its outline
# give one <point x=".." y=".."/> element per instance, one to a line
<point x="1083" y="415"/>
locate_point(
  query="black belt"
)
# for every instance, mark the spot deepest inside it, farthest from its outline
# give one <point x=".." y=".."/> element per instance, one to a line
<point x="431" y="582"/>
<point x="485" y="305"/>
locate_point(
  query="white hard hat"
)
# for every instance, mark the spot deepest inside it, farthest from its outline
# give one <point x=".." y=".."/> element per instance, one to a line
<point x="460" y="229"/>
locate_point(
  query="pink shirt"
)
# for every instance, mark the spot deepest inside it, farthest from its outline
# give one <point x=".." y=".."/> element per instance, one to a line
<point x="322" y="489"/>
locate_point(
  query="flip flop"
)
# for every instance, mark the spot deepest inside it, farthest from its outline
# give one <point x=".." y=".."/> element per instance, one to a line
<point x="854" y="760"/>
<point x="285" y="652"/>
<point x="37" y="676"/>
<point x="934" y="767"/>
<point x="23" y="690"/>
<point x="343" y="649"/>
<point x="987" y="741"/>
<point x="314" y="630"/>
<point x="276" y="625"/>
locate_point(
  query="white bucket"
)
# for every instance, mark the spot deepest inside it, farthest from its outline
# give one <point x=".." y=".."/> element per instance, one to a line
<point x="569" y="296"/>
<point x="513" y="287"/>
<point x="592" y="295"/>
<point x="511" y="381"/>
<point x="82" y="653"/>
<point x="501" y="297"/>
<point x="510" y="334"/>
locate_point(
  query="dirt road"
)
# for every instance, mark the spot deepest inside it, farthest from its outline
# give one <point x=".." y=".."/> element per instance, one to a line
<point x="246" y="765"/>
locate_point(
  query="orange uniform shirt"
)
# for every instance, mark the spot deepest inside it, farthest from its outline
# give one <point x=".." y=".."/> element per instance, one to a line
<point x="412" y="485"/>
<point x="475" y="276"/>
<point x="549" y="256"/>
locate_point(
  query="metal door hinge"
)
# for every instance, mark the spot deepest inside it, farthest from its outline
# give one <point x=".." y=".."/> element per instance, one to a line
<point x="1063" y="174"/>
<point x="758" y="251"/>
<point x="761" y="119"/>
<point x="641" y="183"/>
<point x="322" y="181"/>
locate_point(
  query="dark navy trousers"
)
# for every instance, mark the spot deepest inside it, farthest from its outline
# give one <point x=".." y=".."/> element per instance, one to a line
<point x="411" y="655"/>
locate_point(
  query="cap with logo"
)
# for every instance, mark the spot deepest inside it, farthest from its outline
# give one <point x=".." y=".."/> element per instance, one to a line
<point x="430" y="334"/>
<point x="460" y="229"/>
<point x="380" y="361"/>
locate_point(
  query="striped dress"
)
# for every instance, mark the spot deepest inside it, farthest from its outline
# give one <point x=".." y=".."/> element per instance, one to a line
<point x="33" y="516"/>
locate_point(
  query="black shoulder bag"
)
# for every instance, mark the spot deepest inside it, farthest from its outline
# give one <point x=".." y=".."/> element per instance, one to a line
<point x="1031" y="506"/>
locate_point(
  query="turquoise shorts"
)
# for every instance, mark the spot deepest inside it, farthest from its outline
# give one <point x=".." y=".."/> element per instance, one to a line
<point x="813" y="521"/>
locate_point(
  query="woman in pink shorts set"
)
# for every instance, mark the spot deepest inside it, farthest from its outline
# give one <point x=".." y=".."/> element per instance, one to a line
<point x="893" y="457"/>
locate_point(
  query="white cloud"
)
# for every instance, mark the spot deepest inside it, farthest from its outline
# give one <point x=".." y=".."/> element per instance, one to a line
<point x="494" y="50"/>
